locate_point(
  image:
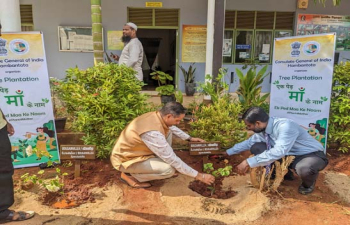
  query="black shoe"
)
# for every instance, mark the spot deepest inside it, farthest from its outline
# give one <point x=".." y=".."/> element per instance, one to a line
<point x="306" y="190"/>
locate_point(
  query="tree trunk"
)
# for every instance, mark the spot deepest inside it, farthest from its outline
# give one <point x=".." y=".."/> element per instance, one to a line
<point x="96" y="19"/>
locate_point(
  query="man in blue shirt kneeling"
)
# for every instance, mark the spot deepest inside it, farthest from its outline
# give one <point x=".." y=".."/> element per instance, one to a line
<point x="275" y="138"/>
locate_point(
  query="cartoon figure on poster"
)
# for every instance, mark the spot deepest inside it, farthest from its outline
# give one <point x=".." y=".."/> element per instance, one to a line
<point x="35" y="146"/>
<point x="44" y="137"/>
<point x="318" y="130"/>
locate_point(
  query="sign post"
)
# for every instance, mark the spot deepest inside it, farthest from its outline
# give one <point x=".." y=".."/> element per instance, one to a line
<point x="204" y="148"/>
<point x="25" y="98"/>
<point x="301" y="86"/>
<point x="77" y="153"/>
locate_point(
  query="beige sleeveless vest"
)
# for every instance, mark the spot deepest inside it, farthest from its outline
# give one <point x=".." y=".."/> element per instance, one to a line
<point x="129" y="148"/>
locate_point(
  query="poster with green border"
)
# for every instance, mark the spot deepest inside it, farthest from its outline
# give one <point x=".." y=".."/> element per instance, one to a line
<point x="25" y="98"/>
<point x="301" y="82"/>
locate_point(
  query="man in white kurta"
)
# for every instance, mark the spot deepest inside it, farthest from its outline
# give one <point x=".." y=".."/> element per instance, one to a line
<point x="132" y="54"/>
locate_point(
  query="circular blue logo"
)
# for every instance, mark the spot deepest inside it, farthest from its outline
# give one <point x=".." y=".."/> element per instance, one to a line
<point x="19" y="46"/>
<point x="311" y="48"/>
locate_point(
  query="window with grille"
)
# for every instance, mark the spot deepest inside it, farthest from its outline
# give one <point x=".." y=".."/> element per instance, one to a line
<point x="252" y="34"/>
<point x="27" y="23"/>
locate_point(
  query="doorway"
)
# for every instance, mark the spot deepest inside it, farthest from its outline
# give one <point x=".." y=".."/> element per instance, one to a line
<point x="159" y="46"/>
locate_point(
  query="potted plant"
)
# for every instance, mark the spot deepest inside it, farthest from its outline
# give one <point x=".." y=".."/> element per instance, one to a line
<point x="59" y="110"/>
<point x="249" y="90"/>
<point x="165" y="90"/>
<point x="190" y="86"/>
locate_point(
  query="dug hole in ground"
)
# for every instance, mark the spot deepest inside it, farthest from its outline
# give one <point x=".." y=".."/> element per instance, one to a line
<point x="100" y="198"/>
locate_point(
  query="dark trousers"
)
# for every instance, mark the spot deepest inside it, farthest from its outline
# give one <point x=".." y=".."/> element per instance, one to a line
<point x="6" y="172"/>
<point x="306" y="166"/>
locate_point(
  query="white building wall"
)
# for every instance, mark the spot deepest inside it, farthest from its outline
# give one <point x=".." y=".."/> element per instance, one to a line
<point x="50" y="14"/>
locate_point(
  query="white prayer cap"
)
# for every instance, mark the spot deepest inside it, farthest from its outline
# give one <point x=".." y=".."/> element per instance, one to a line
<point x="130" y="24"/>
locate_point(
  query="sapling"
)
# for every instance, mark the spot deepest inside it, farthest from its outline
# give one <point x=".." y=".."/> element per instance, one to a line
<point x="224" y="172"/>
<point x="208" y="167"/>
<point x="212" y="189"/>
<point x="53" y="185"/>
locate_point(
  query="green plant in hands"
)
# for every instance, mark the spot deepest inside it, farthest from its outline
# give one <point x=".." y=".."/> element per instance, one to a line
<point x="224" y="172"/>
<point x="216" y="89"/>
<point x="219" y="122"/>
<point x="339" y="120"/>
<point x="249" y="89"/>
<point x="103" y="100"/>
<point x="208" y="167"/>
<point x="163" y="79"/>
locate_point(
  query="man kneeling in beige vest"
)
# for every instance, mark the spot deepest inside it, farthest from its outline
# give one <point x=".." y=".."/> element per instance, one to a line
<point x="143" y="150"/>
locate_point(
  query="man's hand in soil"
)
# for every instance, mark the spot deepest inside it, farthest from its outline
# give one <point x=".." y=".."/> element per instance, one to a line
<point x="205" y="178"/>
<point x="193" y="139"/>
<point x="243" y="167"/>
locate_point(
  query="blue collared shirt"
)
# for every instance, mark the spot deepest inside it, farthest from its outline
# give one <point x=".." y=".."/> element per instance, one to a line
<point x="287" y="138"/>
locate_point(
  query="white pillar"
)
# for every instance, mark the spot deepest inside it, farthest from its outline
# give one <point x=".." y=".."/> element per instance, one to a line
<point x="210" y="41"/>
<point x="10" y="16"/>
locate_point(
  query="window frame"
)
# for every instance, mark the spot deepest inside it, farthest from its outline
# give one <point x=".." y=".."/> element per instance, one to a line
<point x="233" y="53"/>
<point x="252" y="45"/>
<point x="253" y="50"/>
<point x="271" y="44"/>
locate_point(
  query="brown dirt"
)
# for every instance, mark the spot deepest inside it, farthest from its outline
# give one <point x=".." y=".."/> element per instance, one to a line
<point x="212" y="191"/>
<point x="76" y="191"/>
<point x="171" y="202"/>
<point x="216" y="190"/>
<point x="340" y="162"/>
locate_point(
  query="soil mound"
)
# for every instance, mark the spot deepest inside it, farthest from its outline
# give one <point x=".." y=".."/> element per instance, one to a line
<point x="247" y="205"/>
<point x="339" y="183"/>
<point x="212" y="191"/>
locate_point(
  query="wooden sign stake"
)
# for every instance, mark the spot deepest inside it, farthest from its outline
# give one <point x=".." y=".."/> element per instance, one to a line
<point x="204" y="148"/>
<point x="77" y="168"/>
<point x="77" y="153"/>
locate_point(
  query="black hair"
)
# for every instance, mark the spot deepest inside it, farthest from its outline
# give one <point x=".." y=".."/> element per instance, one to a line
<point x="173" y="108"/>
<point x="46" y="130"/>
<point x="254" y="114"/>
<point x="39" y="128"/>
<point x="319" y="128"/>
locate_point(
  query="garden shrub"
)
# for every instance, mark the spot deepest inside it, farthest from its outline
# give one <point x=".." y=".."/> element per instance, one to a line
<point x="339" y="121"/>
<point x="216" y="89"/>
<point x="249" y="90"/>
<point x="103" y="100"/>
<point x="219" y="122"/>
